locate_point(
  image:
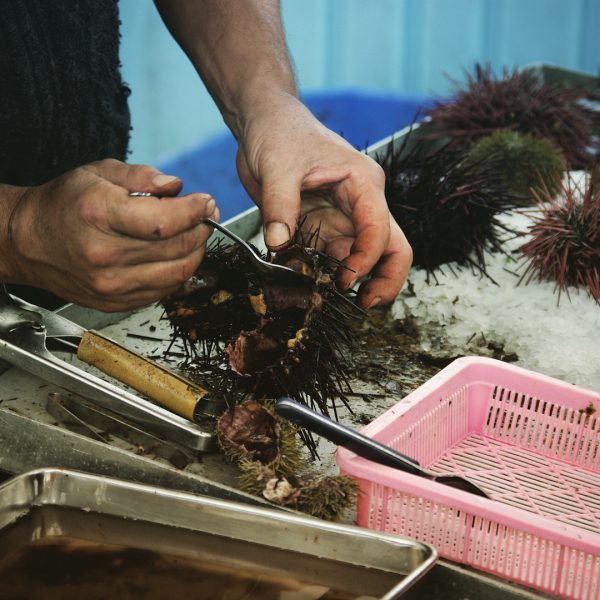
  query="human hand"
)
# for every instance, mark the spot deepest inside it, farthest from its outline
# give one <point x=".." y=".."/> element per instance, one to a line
<point x="82" y="237"/>
<point x="284" y="155"/>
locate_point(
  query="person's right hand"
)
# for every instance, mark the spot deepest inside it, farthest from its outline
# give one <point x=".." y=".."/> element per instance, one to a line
<point x="84" y="238"/>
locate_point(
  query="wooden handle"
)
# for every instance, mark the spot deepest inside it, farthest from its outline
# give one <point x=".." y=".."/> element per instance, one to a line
<point x="147" y="377"/>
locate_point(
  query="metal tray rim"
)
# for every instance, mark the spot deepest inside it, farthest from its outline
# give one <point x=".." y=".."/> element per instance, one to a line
<point x="114" y="497"/>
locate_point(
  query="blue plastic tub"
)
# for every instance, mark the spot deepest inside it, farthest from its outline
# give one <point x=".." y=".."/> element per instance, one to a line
<point x="360" y="117"/>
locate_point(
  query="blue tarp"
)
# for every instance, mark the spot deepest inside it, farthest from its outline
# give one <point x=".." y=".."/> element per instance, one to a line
<point x="361" y="118"/>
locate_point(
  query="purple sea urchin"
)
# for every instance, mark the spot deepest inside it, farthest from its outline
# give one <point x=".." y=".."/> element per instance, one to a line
<point x="446" y="206"/>
<point x="565" y="240"/>
<point x="518" y="101"/>
<point x="264" y="339"/>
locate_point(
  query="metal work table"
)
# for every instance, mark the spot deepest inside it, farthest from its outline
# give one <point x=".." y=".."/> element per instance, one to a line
<point x="31" y="438"/>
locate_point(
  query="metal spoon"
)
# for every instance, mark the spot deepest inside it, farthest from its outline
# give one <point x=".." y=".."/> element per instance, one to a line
<point x="366" y="447"/>
<point x="269" y="271"/>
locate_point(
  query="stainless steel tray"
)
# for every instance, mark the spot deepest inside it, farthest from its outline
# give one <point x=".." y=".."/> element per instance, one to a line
<point x="46" y="504"/>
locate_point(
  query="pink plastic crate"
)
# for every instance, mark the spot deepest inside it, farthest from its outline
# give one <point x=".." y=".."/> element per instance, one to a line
<point x="530" y="441"/>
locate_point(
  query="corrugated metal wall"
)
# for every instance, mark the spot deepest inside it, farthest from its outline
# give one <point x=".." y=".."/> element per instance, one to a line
<point x="390" y="45"/>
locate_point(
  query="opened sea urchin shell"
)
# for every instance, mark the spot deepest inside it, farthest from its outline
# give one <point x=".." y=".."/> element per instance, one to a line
<point x="262" y="339"/>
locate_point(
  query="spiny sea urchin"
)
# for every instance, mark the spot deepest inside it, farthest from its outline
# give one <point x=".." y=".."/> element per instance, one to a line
<point x="325" y="497"/>
<point x="521" y="161"/>
<point x="267" y="451"/>
<point x="446" y="206"/>
<point x="565" y="239"/>
<point x="250" y="431"/>
<point x="518" y="101"/>
<point x="263" y="339"/>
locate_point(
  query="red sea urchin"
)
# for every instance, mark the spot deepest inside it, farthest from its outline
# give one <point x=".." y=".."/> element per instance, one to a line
<point x="565" y="239"/>
<point x="259" y="339"/>
<point x="447" y="206"/>
<point x="518" y="101"/>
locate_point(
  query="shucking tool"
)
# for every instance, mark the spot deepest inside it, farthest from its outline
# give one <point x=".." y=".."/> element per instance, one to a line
<point x="24" y="332"/>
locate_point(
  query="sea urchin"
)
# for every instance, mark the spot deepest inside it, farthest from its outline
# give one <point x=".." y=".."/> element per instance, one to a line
<point x="518" y="101"/>
<point x="446" y="206"/>
<point x="565" y="239"/>
<point x="521" y="161"/>
<point x="262" y="339"/>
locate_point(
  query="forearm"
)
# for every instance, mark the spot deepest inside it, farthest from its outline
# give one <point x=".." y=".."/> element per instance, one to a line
<point x="9" y="198"/>
<point x="238" y="48"/>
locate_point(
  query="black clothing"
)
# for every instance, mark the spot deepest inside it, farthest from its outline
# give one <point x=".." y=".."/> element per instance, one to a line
<point x="62" y="101"/>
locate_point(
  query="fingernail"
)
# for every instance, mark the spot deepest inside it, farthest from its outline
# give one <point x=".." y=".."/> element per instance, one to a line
<point x="374" y="302"/>
<point x="210" y="206"/>
<point x="352" y="284"/>
<point x="277" y="234"/>
<point x="161" y="180"/>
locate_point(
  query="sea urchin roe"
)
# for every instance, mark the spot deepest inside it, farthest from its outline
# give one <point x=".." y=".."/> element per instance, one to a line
<point x="180" y="310"/>
<point x="296" y="258"/>
<point x="324" y="279"/>
<point x="258" y="304"/>
<point x="291" y="343"/>
<point x="221" y="296"/>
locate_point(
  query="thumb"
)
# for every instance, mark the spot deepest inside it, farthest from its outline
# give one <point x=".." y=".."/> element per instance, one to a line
<point x="137" y="178"/>
<point x="280" y="208"/>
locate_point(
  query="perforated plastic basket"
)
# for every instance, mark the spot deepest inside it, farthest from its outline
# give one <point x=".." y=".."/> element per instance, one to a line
<point x="530" y="441"/>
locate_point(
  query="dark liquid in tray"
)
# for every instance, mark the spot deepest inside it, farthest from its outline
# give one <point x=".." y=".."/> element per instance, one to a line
<point x="63" y="568"/>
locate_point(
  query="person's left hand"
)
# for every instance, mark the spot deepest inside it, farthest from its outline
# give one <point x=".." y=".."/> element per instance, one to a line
<point x="284" y="155"/>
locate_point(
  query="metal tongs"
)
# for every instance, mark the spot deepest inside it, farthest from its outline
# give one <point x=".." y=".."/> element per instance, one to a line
<point x="24" y="331"/>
